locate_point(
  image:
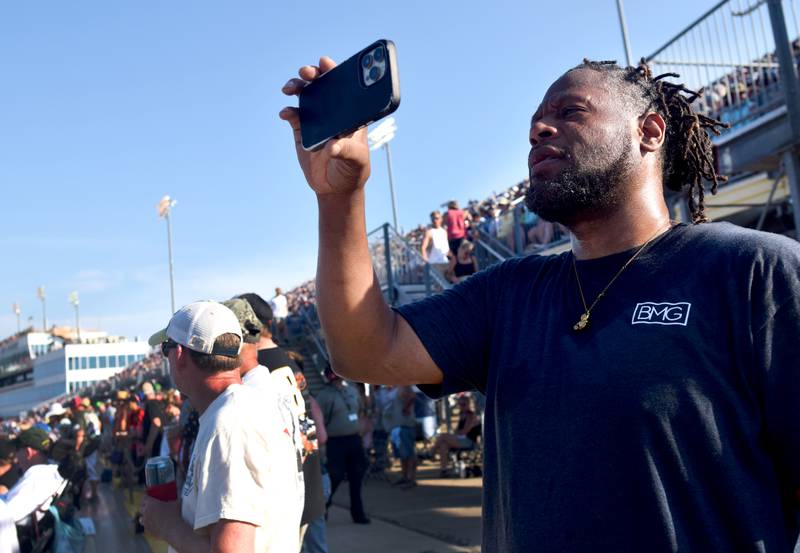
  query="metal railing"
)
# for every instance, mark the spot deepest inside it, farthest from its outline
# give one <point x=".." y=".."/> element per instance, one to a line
<point x="494" y="245"/>
<point x="730" y="52"/>
<point x="310" y="322"/>
<point x="397" y="263"/>
<point x="487" y="255"/>
<point x="519" y="232"/>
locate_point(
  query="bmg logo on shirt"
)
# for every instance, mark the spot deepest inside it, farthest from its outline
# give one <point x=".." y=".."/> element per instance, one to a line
<point x="661" y="313"/>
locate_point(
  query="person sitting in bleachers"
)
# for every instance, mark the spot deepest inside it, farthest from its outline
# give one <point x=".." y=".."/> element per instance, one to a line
<point x="465" y="436"/>
<point x="464" y="264"/>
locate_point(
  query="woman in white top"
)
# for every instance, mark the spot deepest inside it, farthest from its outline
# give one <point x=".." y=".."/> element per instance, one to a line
<point x="436" y="239"/>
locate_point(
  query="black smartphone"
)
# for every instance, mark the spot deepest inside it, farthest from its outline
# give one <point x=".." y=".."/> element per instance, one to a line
<point x="353" y="94"/>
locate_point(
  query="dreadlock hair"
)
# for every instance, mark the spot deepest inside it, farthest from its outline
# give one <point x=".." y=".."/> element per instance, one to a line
<point x="687" y="157"/>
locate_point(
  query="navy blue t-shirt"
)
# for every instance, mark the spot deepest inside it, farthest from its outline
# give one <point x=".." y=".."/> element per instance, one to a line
<point x="671" y="424"/>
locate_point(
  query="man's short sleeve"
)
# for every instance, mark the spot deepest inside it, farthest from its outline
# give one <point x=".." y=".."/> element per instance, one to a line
<point x="775" y="340"/>
<point x="227" y="487"/>
<point x="455" y="328"/>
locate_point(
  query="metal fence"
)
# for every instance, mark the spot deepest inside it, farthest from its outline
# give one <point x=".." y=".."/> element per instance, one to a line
<point x="730" y="53"/>
<point x="397" y="263"/>
<point x="518" y="231"/>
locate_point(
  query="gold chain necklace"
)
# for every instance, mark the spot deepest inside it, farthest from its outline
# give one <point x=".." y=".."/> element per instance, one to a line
<point x="583" y="323"/>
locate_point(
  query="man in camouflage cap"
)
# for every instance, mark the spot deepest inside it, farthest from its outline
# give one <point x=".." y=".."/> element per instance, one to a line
<point x="41" y="480"/>
<point x="271" y="387"/>
<point x="33" y="447"/>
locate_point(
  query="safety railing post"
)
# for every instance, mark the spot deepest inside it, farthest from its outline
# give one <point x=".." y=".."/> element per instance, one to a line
<point x="427" y="279"/>
<point x="389" y="271"/>
<point x="791" y="92"/>
<point x="519" y="243"/>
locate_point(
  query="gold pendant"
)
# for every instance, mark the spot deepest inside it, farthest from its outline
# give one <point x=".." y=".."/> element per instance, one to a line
<point x="583" y="323"/>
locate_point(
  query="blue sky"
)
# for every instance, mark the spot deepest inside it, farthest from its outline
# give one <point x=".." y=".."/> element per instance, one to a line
<point x="107" y="106"/>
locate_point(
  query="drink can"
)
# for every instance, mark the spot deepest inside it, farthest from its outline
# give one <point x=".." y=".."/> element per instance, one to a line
<point x="159" y="470"/>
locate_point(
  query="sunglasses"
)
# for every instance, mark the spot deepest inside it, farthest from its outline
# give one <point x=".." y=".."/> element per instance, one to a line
<point x="167" y="345"/>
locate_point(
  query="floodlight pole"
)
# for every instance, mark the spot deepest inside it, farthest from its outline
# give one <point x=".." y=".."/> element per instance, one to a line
<point x="78" y="320"/>
<point x="381" y="136"/>
<point x="169" y="252"/>
<point x="391" y="185"/>
<point x="41" y="294"/>
<point x="624" y="29"/>
<point x="73" y="299"/>
<point x="164" y="208"/>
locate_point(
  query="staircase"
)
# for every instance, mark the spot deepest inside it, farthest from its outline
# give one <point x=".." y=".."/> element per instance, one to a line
<point x="305" y="337"/>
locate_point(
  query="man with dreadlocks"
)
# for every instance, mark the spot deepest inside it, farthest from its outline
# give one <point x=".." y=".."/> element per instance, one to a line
<point x="642" y="389"/>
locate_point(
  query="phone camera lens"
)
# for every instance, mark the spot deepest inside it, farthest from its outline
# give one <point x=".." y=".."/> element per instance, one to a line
<point x="366" y="61"/>
<point x="378" y="54"/>
<point x="375" y="73"/>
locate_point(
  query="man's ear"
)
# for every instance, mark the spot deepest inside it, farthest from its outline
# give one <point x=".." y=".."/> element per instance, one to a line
<point x="652" y="132"/>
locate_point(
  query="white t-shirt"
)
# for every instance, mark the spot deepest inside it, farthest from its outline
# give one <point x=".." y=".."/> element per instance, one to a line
<point x="280" y="307"/>
<point x="440" y="247"/>
<point x="275" y="387"/>
<point x="8" y="531"/>
<point x="36" y="489"/>
<point x="243" y="467"/>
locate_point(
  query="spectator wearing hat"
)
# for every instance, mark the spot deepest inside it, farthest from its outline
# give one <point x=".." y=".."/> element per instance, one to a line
<point x="243" y="465"/>
<point x="274" y="367"/>
<point x="275" y="363"/>
<point x="53" y="418"/>
<point x="41" y="479"/>
<point x="284" y="395"/>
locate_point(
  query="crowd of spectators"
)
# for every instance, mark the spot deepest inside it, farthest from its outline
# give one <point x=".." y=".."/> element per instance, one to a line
<point x="64" y="448"/>
<point x="109" y="429"/>
<point x="492" y="220"/>
<point x="747" y="91"/>
<point x="301" y="296"/>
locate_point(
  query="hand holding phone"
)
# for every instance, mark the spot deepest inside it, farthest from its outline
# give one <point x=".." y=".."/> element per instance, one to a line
<point x="335" y="105"/>
<point x="342" y="165"/>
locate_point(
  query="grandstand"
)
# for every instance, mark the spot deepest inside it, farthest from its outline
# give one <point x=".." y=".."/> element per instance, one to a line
<point x="745" y="55"/>
<point x="38" y="367"/>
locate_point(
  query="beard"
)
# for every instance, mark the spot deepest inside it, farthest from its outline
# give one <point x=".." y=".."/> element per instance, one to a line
<point x="588" y="186"/>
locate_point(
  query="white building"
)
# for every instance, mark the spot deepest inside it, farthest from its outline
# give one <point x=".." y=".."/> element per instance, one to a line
<point x="17" y="353"/>
<point x="64" y="370"/>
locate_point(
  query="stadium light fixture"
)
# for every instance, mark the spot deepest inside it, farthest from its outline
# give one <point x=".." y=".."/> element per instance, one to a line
<point x="15" y="308"/>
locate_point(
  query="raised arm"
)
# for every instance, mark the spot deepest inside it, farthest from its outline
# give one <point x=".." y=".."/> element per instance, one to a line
<point x="367" y="341"/>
